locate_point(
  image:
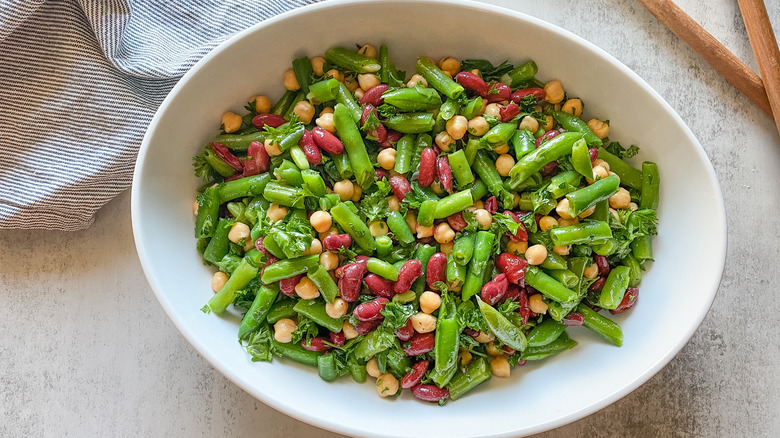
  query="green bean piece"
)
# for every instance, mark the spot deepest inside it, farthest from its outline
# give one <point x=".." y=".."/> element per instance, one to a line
<point x="461" y="169"/>
<point x="548" y="286"/>
<point x="296" y="353"/>
<point x="315" y="310"/>
<point x="422" y="141"/>
<point x="523" y="142"/>
<point x="283" y="195"/>
<point x="463" y="248"/>
<point x="580" y="159"/>
<point x="344" y="97"/>
<point x="455" y="273"/>
<point x="299" y="96"/>
<point x="472" y="108"/>
<point x="289" y="268"/>
<point x="500" y="134"/>
<point x="280" y="310"/>
<point x="299" y="157"/>
<point x="504" y="330"/>
<point x="629" y="176"/>
<point x="289" y="173"/>
<point x="242" y="187"/>
<point x="241" y="277"/>
<point x="437" y="79"/>
<point x="292" y="138"/>
<point x="397" y="224"/>
<point x="354" y="226"/>
<point x="239" y="142"/>
<point x="352" y="61"/>
<point x="397" y="361"/>
<point x="522" y="74"/>
<point x="270" y="244"/>
<point x="425" y="215"/>
<point x="635" y="270"/>
<point x="650" y="186"/>
<point x="476" y="372"/>
<point x="471" y="149"/>
<point x="413" y="99"/>
<point x="219" y="244"/>
<point x="565" y="277"/>
<point x="558" y="311"/>
<point x="255" y="316"/>
<point x="326" y="367"/>
<point x="453" y="203"/>
<point x="405" y="149"/>
<point x="601" y="325"/>
<point x="449" y="109"/>
<point x="585" y="232"/>
<point x="281" y="106"/>
<point x="563" y="183"/>
<point x="486" y="169"/>
<point x="357" y="370"/>
<point x="208" y="213"/>
<point x="382" y="269"/>
<point x="554" y="261"/>
<point x="534" y="161"/>
<point x="312" y="180"/>
<point x="572" y="123"/>
<point x="615" y="287"/>
<point x="354" y="146"/>
<point x="324" y="282"/>
<point x="586" y="197"/>
<point x="447" y="343"/>
<point x="423" y="254"/>
<point x="329" y="201"/>
<point x="601" y="213"/>
<point x="384" y="245"/>
<point x="303" y="72"/>
<point x="559" y="345"/>
<point x="229" y="263"/>
<point x="410" y="123"/>
<point x="325" y="91"/>
<point x="217" y="163"/>
<point x="544" y="333"/>
<point x="642" y="248"/>
<point x="479" y="189"/>
<point x="344" y="168"/>
<point x="482" y="250"/>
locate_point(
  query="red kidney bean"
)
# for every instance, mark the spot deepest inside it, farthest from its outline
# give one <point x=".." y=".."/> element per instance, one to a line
<point x="427" y="167"/>
<point x="525" y="308"/>
<point x="509" y="351"/>
<point x="470" y="332"/>
<point x="457" y="222"/>
<point x="444" y="173"/>
<point x="513" y="266"/>
<point x="379" y="286"/>
<point x="370" y="311"/>
<point x="537" y="93"/>
<point x="503" y="93"/>
<point x="513" y="293"/>
<point x="250" y="164"/>
<point x="392" y="136"/>
<point x="522" y="234"/>
<point x="310" y="148"/>
<point x="400" y="186"/>
<point x="597" y="285"/>
<point x="420" y="343"/>
<point x="380" y="133"/>
<point x="592" y="306"/>
<point x="351" y="281"/>
<point x="362" y="260"/>
<point x="629" y="299"/>
<point x="435" y="271"/>
<point x="472" y="82"/>
<point x="495" y="289"/>
<point x="315" y="344"/>
<point x="430" y="393"/>
<point x="410" y="271"/>
<point x="521" y="362"/>
<point x="260" y="247"/>
<point x="234" y="177"/>
<point x="337" y="339"/>
<point x="380" y="174"/>
<point x="603" y="264"/>
<point x="327" y="141"/>
<point x="594" y="154"/>
<point x="374" y="95"/>
<point x="406" y="332"/>
<point x="257" y="152"/>
<point x="508" y="112"/>
<point x="223" y="152"/>
<point x="272" y="120"/>
<point x="547" y="136"/>
<point x="287" y="285"/>
<point x="334" y="242"/>
<point x="270" y="260"/>
<point x="491" y="205"/>
<point x="413" y="377"/>
<point x="549" y="169"/>
<point x="366" y="327"/>
<point x="425" y="240"/>
<point x="574" y="318"/>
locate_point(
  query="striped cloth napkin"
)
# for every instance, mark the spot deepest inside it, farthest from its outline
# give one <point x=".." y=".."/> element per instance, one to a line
<point x="79" y="83"/>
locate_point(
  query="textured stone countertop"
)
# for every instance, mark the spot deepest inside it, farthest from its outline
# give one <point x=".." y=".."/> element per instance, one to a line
<point x="85" y="349"/>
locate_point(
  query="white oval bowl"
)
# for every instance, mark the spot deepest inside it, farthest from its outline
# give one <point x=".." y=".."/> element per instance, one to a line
<point x="675" y="294"/>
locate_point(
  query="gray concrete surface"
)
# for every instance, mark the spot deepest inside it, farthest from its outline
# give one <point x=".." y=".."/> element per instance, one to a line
<point x="85" y="350"/>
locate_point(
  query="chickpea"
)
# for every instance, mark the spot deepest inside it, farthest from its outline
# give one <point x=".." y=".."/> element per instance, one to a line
<point x="372" y="368"/>
<point x="378" y="228"/>
<point x="601" y="129"/>
<point x="516" y="247"/>
<point x="562" y="249"/>
<point x="304" y="110"/>
<point x="483" y="108"/>
<point x="329" y="260"/>
<point x="325" y="121"/>
<point x="478" y="204"/>
<point x="335" y="74"/>
<point x="599" y="172"/>
<point x="588" y="212"/>
<point x="357" y="194"/>
<point x="484" y="337"/>
<point x="218" y="280"/>
<point x="411" y="221"/>
<point x="318" y="64"/>
<point x="351" y="83"/>
<point x="337" y="308"/>
<point x="424" y="231"/>
<point x="262" y="104"/>
<point x="536" y="254"/>
<point x="501" y="149"/>
<point x="349" y="331"/>
<point x="632" y="206"/>
<point x="450" y="65"/>
<point x="306" y="289"/>
<point x="386" y="158"/>
<point x="568" y="222"/>
<point x="423" y="322"/>
<point x="436" y="187"/>
<point x="464" y="357"/>
<point x="386" y="385"/>
<point x="345" y="189"/>
<point x="620" y="200"/>
<point x="504" y="164"/>
<point x="444" y="141"/>
<point x="368" y="81"/>
<point x="493" y="109"/>
<point x="368" y="51"/>
<point x="529" y="123"/>
<point x="238" y="232"/>
<point x="549" y="123"/>
<point x="484" y="219"/>
<point x="195" y="206"/>
<point x="231" y="122"/>
<point x="446" y="248"/>
<point x="321" y="221"/>
<point x="499" y="366"/>
<point x="429" y="302"/>
<point x="573" y="106"/>
<point x="547" y="222"/>
<point x="415" y="80"/>
<point x="359" y="94"/>
<point x="591" y="272"/>
<point x="537" y="304"/>
<point x="290" y="81"/>
<point x="394" y="204"/>
<point x="553" y="91"/>
<point x="443" y="233"/>
<point x="276" y="212"/>
<point x="611" y="173"/>
<point x="602" y="163"/>
<point x="478" y="126"/>
<point x="456" y="127"/>
<point x="563" y="208"/>
<point x="315" y="248"/>
<point x="272" y="148"/>
<point x="492" y="350"/>
<point x="283" y="330"/>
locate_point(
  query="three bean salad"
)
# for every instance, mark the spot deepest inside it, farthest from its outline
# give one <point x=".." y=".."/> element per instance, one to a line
<point x="429" y="232"/>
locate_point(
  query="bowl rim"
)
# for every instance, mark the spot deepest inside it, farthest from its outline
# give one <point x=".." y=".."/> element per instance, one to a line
<point x="338" y="427"/>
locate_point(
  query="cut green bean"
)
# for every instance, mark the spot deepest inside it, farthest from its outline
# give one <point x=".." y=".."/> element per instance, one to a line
<point x="472" y="108"/>
<point x="354" y="146"/>
<point x="565" y="277"/>
<point x="289" y="268"/>
<point x="344" y="97"/>
<point x="615" y="287"/>
<point x="255" y="316"/>
<point x="426" y="213"/>
<point x="384" y="245"/>
<point x="282" y="105"/>
<point x="404" y="151"/>
<point x="629" y="176"/>
<point x="650" y="186"/>
<point x="602" y="326"/>
<point x="411" y="123"/>
<point x="460" y="168"/>
<point x="397" y="224"/>
<point x="522" y="74"/>
<point x="523" y="142"/>
<point x="500" y="134"/>
<point x="482" y="249"/>
<point x="563" y="183"/>
<point x="354" y="226"/>
<point x="548" y="286"/>
<point x="463" y="248"/>
<point x="303" y="72"/>
<point x="437" y="79"/>
<point x="241" y="277"/>
<point x="239" y="142"/>
<point x="382" y="269"/>
<point x="315" y="310"/>
<point x="242" y="187"/>
<point x="475" y="373"/>
<point x="207" y="217"/>
<point x="324" y="282"/>
<point x="413" y="99"/>
<point x="580" y="159"/>
<point x="341" y="161"/>
<point x="219" y="244"/>
<point x="585" y="232"/>
<point x="312" y="181"/>
<point x="283" y="195"/>
<point x="295" y="352"/>
<point x="352" y="61"/>
<point x="572" y="123"/>
<point x="559" y="345"/>
<point x="453" y="203"/>
<point x="280" y="310"/>
<point x="508" y="333"/>
<point x="586" y="197"/>
<point x="545" y="333"/>
<point x="326" y="367"/>
<point x="551" y="150"/>
<point x="455" y="273"/>
<point x="325" y="91"/>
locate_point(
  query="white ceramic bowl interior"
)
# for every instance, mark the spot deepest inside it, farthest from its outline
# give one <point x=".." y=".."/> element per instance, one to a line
<point x="675" y="294"/>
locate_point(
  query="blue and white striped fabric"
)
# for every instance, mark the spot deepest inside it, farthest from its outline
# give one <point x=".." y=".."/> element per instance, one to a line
<point x="79" y="83"/>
